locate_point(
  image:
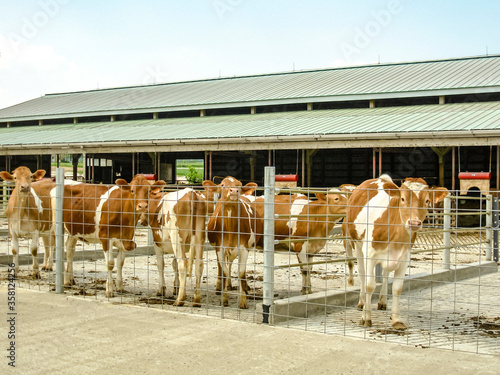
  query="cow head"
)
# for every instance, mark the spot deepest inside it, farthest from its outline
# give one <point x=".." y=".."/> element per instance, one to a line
<point x="229" y="189"/>
<point x="336" y="204"/>
<point x="415" y="198"/>
<point x="23" y="178"/>
<point x="140" y="189"/>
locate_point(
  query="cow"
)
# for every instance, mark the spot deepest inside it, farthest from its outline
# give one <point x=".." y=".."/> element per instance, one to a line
<point x="28" y="212"/>
<point x="234" y="228"/>
<point x="306" y="221"/>
<point x="107" y="215"/>
<point x="177" y="220"/>
<point x="382" y="223"/>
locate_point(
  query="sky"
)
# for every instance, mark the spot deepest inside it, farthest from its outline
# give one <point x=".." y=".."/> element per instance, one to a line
<point x="51" y="46"/>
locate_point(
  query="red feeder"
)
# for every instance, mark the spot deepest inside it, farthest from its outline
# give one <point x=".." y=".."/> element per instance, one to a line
<point x="474" y="175"/>
<point x="149" y="176"/>
<point x="286" y="177"/>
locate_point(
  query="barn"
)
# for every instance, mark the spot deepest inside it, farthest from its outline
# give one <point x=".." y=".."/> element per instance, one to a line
<point x="330" y="126"/>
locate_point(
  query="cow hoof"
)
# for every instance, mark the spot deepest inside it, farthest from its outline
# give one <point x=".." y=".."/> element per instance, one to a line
<point x="366" y="323"/>
<point x="36" y="275"/>
<point x="360" y="306"/>
<point x="162" y="292"/>
<point x="197" y="304"/>
<point x="382" y="306"/>
<point x="243" y="306"/>
<point x="400" y="326"/>
<point x="179" y="303"/>
<point x="109" y="294"/>
<point x="70" y="282"/>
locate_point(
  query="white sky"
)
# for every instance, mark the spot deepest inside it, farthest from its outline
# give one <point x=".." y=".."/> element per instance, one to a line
<point x="49" y="46"/>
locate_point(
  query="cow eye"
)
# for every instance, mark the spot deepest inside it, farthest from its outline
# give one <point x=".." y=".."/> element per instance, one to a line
<point x="402" y="199"/>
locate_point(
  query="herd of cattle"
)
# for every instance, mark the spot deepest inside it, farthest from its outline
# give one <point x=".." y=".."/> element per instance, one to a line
<point x="381" y="223"/>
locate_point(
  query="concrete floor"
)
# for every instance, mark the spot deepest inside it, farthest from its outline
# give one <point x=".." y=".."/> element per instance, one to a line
<point x="68" y="335"/>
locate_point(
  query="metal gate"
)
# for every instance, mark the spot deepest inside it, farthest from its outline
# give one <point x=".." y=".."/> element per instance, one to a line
<point x="448" y="299"/>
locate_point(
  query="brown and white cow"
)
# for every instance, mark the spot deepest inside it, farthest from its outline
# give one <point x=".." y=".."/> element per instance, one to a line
<point x="177" y="220"/>
<point x="29" y="215"/>
<point x="234" y="228"/>
<point x="308" y="221"/>
<point x="107" y="215"/>
<point x="381" y="224"/>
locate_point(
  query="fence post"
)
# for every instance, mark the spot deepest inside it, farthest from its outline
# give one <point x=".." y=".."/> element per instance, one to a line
<point x="5" y="199"/>
<point x="447" y="234"/>
<point x="59" y="229"/>
<point x="269" y="175"/>
<point x="495" y="229"/>
<point x="489" y="226"/>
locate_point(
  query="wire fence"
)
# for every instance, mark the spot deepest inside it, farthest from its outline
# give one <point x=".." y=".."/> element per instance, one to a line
<point x="262" y="256"/>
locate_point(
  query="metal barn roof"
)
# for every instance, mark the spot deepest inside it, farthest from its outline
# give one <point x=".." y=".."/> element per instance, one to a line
<point x="441" y="77"/>
<point x="440" y="125"/>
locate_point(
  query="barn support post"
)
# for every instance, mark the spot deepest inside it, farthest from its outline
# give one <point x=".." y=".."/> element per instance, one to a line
<point x="75" y="158"/>
<point x="446" y="233"/>
<point x="441" y="152"/>
<point x="309" y="161"/>
<point x="489" y="225"/>
<point x="269" y="177"/>
<point x="59" y="230"/>
<point x="453" y="169"/>
<point x="495" y="229"/>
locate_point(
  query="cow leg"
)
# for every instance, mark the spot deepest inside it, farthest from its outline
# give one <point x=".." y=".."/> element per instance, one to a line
<point x="160" y="264"/>
<point x="362" y="277"/>
<point x="70" y="252"/>
<point x="34" y="253"/>
<point x="221" y="257"/>
<point x="350" y="263"/>
<point x="181" y="268"/>
<point x="110" y="263"/>
<point x="397" y="288"/>
<point x="120" y="261"/>
<point x="198" y="252"/>
<point x="49" y="244"/>
<point x="229" y="259"/>
<point x="304" y="258"/>
<point x="242" y="267"/>
<point x="366" y="316"/>
<point x="382" y="299"/>
<point x="176" y="276"/>
<point x="15" y="253"/>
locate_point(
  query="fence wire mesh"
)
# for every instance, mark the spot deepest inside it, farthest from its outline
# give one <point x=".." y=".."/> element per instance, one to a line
<point x="446" y="303"/>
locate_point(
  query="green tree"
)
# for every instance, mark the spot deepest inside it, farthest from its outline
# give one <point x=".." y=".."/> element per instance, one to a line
<point x="193" y="176"/>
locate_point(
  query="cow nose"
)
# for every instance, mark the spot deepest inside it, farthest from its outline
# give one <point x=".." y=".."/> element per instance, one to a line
<point x="25" y="187"/>
<point x="141" y="207"/>
<point x="414" y="224"/>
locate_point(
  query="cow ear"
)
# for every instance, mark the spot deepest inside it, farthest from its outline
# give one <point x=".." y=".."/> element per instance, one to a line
<point x="121" y="182"/>
<point x="439" y="194"/>
<point x="157" y="186"/>
<point x="249" y="188"/>
<point x="6" y="176"/>
<point x="211" y="187"/>
<point x="38" y="175"/>
<point x="320" y="196"/>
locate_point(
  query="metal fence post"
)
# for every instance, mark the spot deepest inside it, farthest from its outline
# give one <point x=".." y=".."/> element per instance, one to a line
<point x="447" y="234"/>
<point x="489" y="225"/>
<point x="59" y="229"/>
<point x="268" y="243"/>
<point x="495" y="229"/>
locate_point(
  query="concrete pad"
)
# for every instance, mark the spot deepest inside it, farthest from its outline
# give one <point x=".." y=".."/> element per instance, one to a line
<point x="67" y="335"/>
